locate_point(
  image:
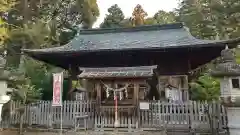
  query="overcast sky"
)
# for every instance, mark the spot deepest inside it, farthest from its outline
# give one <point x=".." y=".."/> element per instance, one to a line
<point x="127" y="6"/>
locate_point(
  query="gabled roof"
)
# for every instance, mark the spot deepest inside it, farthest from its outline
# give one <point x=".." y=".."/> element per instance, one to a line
<point x="135" y="38"/>
<point x="117" y="72"/>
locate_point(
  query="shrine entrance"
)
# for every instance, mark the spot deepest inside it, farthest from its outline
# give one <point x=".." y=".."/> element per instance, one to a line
<point x="117" y="92"/>
<point x="118" y="105"/>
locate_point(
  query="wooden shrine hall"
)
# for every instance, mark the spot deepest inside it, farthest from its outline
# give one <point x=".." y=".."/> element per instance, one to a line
<point x="132" y="83"/>
<point x="119" y="61"/>
<point x="170" y="46"/>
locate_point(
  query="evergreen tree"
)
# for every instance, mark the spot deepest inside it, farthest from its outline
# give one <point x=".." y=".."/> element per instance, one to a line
<point x="114" y="17"/>
<point x="211" y="19"/>
<point x="127" y="22"/>
<point x="163" y="17"/>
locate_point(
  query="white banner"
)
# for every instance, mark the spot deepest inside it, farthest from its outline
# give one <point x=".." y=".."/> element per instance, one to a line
<point x="57" y="89"/>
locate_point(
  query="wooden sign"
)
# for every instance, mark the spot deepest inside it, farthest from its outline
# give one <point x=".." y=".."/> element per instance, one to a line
<point x="144" y="105"/>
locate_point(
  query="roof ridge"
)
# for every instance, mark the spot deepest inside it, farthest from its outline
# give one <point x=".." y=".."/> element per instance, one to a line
<point x="133" y="29"/>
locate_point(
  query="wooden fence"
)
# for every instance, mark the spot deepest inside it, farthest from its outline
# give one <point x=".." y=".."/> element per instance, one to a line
<point x="188" y="115"/>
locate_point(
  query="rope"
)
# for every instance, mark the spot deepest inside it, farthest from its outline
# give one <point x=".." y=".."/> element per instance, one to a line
<point x="115" y="89"/>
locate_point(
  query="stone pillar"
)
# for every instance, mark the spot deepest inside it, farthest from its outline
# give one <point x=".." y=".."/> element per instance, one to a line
<point x="233" y="114"/>
<point x="231" y="100"/>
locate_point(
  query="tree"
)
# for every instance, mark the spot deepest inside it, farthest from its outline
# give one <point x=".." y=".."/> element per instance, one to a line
<point x="150" y="21"/>
<point x="24" y="92"/>
<point x="211" y="19"/>
<point x="192" y="13"/>
<point x="5" y="5"/>
<point x="114" y="17"/>
<point x="138" y="15"/>
<point x="127" y="22"/>
<point x="35" y="35"/>
<point x="61" y="20"/>
<point x="205" y="88"/>
<point x="89" y="12"/>
<point x="163" y="17"/>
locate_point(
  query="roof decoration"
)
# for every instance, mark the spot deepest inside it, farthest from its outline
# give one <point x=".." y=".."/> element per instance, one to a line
<point x="117" y="72"/>
<point x="227" y="65"/>
<point x="140" y="38"/>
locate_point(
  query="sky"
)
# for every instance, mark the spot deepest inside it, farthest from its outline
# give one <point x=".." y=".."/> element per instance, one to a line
<point x="127" y="6"/>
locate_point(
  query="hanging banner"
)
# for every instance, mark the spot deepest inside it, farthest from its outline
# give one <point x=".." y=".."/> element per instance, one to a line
<point x="57" y="89"/>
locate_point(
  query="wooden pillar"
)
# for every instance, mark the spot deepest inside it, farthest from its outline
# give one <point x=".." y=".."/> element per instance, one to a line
<point x="136" y="103"/>
<point x="136" y="93"/>
<point x="70" y="79"/>
<point x="98" y="88"/>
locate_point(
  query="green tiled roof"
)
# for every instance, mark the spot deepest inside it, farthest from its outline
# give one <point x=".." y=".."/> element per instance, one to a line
<point x="143" y="37"/>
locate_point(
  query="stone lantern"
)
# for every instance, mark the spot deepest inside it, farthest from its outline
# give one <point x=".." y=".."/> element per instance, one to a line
<point x="4" y="75"/>
<point x="228" y="71"/>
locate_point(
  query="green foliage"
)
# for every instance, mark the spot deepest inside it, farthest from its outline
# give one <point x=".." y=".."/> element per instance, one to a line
<point x="41" y="24"/>
<point x="36" y="35"/>
<point x="41" y="77"/>
<point x="114" y="17"/>
<point x="211" y="19"/>
<point x="23" y="89"/>
<point x="150" y="21"/>
<point x="5" y="5"/>
<point x="163" y="17"/>
<point x="205" y="88"/>
<point x="89" y="12"/>
<point x="127" y="22"/>
<point x="237" y="52"/>
<point x="26" y="93"/>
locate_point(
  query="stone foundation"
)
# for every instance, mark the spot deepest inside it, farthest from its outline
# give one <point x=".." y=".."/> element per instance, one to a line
<point x="234" y="120"/>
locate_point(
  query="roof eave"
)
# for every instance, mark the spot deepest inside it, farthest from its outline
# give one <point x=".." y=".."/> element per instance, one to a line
<point x="232" y="43"/>
<point x="114" y="77"/>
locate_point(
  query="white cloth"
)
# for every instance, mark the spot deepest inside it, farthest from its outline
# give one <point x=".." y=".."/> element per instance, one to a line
<point x="173" y="94"/>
